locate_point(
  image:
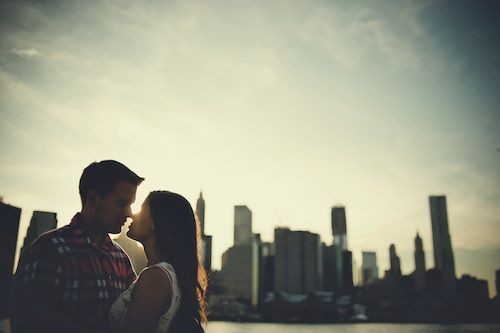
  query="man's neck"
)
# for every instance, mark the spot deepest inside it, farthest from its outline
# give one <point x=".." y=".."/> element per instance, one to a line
<point x="94" y="234"/>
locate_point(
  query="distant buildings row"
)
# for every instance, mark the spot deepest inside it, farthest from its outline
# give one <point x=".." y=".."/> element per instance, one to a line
<point x="256" y="273"/>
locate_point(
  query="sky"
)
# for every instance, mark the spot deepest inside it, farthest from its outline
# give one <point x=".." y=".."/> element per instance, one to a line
<point x="288" y="107"/>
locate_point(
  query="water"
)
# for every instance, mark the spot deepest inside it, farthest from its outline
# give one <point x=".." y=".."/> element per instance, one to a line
<point x="229" y="327"/>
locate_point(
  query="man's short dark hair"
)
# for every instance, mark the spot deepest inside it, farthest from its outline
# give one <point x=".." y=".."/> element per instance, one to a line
<point x="103" y="176"/>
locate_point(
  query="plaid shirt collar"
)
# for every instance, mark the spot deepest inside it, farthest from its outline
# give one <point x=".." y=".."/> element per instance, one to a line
<point x="81" y="236"/>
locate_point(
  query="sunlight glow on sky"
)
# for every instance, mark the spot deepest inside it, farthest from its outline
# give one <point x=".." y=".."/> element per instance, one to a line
<point x="288" y="107"/>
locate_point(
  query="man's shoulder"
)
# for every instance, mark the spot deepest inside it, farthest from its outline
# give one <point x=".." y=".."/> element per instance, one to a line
<point x="57" y="238"/>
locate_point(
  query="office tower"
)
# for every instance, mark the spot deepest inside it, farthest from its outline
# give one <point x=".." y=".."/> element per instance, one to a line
<point x="329" y="272"/>
<point x="497" y="282"/>
<point x="419" y="264"/>
<point x="443" y="252"/>
<point x="40" y="223"/>
<point x="298" y="261"/>
<point x="9" y="220"/>
<point x="369" y="269"/>
<point x="472" y="291"/>
<point x="240" y="272"/>
<point x="206" y="252"/>
<point x="347" y="274"/>
<point x="341" y="279"/>
<point x="266" y="284"/>
<point x="395" y="262"/>
<point x="134" y="250"/>
<point x="339" y="227"/>
<point x="200" y="212"/>
<point x="242" y="225"/>
<point x="206" y="240"/>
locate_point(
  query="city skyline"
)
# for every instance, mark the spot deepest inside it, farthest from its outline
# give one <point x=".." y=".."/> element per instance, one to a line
<point x="287" y="107"/>
<point x="357" y="269"/>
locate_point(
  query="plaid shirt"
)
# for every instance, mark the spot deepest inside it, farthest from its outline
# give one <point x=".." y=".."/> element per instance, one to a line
<point x="63" y="271"/>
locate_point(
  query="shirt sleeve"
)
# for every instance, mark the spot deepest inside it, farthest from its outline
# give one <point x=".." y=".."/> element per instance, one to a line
<point x="39" y="276"/>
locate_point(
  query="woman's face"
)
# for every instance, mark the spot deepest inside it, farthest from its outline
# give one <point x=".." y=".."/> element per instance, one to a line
<point x="142" y="226"/>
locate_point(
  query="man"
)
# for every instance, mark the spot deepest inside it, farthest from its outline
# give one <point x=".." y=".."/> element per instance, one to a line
<point x="69" y="277"/>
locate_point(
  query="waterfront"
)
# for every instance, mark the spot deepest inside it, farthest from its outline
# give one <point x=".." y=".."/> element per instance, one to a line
<point x="231" y="327"/>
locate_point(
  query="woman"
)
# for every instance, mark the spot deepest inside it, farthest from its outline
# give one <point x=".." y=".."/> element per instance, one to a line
<point x="169" y="294"/>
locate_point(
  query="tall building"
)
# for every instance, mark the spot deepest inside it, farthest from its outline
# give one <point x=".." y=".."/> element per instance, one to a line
<point x="443" y="252"/>
<point x="339" y="227"/>
<point x="242" y="225"/>
<point x="419" y="264"/>
<point x="240" y="272"/>
<point x="206" y="252"/>
<point x="395" y="262"/>
<point x="298" y="261"/>
<point x="497" y="282"/>
<point x="9" y="219"/>
<point x="337" y="259"/>
<point x="266" y="284"/>
<point x="369" y="268"/>
<point x="206" y="240"/>
<point x="40" y="223"/>
<point x="200" y="212"/>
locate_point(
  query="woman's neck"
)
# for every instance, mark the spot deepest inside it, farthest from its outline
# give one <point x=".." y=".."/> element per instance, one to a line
<point x="151" y="253"/>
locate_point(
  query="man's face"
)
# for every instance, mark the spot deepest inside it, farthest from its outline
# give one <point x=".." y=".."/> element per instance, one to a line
<point x="112" y="211"/>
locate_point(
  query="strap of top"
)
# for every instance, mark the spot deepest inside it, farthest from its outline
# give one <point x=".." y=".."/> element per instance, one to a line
<point x="170" y="272"/>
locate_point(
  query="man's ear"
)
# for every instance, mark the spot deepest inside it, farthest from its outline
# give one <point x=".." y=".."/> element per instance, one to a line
<point x="91" y="197"/>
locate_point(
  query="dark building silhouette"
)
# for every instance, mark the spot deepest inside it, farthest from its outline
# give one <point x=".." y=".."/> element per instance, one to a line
<point x="298" y="263"/>
<point x="40" y="223"/>
<point x="443" y="252"/>
<point x="419" y="264"/>
<point x="395" y="262"/>
<point x="200" y="212"/>
<point x="266" y="284"/>
<point x="206" y="240"/>
<point x="369" y="268"/>
<point x="497" y="282"/>
<point x="337" y="260"/>
<point x="9" y="219"/>
<point x="242" y="225"/>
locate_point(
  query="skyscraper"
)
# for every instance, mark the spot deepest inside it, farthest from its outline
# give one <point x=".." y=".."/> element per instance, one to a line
<point x="206" y="240"/>
<point x="242" y="225"/>
<point x="240" y="272"/>
<point x="339" y="227"/>
<point x="419" y="264"/>
<point x="338" y="255"/>
<point x="369" y="268"/>
<point x="298" y="261"/>
<point x="395" y="262"/>
<point x="497" y="282"/>
<point x="9" y="218"/>
<point x="200" y="212"/>
<point x="443" y="252"/>
<point x="40" y="223"/>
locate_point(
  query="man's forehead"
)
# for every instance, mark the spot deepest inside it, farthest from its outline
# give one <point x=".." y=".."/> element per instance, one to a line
<point x="125" y="190"/>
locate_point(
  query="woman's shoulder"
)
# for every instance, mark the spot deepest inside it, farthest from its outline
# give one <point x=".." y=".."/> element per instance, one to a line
<point x="154" y="289"/>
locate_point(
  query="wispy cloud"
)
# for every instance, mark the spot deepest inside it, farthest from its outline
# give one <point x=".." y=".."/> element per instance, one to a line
<point x="26" y="53"/>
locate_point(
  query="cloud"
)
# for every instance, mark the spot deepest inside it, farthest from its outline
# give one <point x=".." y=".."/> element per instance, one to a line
<point x="356" y="36"/>
<point x="26" y="53"/>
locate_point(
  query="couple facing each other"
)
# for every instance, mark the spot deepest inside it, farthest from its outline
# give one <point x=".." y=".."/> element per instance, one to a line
<point x="76" y="279"/>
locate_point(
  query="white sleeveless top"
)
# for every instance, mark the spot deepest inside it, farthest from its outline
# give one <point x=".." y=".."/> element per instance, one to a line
<point x="118" y="310"/>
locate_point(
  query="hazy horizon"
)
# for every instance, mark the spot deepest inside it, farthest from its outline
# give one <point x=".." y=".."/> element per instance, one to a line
<point x="288" y="107"/>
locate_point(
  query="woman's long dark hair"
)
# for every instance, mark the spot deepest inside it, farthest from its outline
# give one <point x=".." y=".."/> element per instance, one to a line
<point x="177" y="241"/>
